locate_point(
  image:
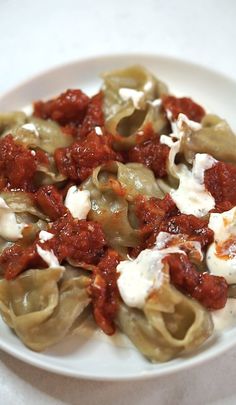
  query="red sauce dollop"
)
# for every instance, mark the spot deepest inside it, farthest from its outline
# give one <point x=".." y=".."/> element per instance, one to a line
<point x="50" y="202"/>
<point x="209" y="290"/>
<point x="183" y="105"/>
<point x="94" y="116"/>
<point x="78" y="240"/>
<point x="77" y="161"/>
<point x="156" y="215"/>
<point x="104" y="292"/>
<point x="220" y="181"/>
<point x="196" y="228"/>
<point x="152" y="154"/>
<point x="69" y="107"/>
<point x="18" y="165"/>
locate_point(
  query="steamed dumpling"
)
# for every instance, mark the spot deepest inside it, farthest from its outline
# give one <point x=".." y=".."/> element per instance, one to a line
<point x="41" y="307"/>
<point x="169" y="323"/>
<point x="131" y="100"/>
<point x="113" y="187"/>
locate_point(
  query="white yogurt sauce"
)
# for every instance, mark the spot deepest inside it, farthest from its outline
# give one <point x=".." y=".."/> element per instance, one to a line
<point x="155" y="103"/>
<point x="224" y="227"/>
<point x="44" y="236"/>
<point x="139" y="277"/>
<point x="9" y="228"/>
<point x="181" y="127"/>
<point x="191" y="197"/>
<point x="98" y="131"/>
<point x="225" y="318"/>
<point x="48" y="257"/>
<point x="28" y="109"/>
<point x="78" y="202"/>
<point x="137" y="97"/>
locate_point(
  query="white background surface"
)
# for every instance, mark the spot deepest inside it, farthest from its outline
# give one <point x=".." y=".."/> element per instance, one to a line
<point x="42" y="34"/>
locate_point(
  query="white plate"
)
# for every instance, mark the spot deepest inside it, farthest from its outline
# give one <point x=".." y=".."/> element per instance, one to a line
<point x="90" y="357"/>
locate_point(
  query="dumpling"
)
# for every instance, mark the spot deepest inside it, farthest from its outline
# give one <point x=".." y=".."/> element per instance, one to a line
<point x="168" y="324"/>
<point x="37" y="133"/>
<point x="11" y="119"/>
<point x="113" y="187"/>
<point x="41" y="306"/>
<point x="131" y="100"/>
<point x="215" y="138"/>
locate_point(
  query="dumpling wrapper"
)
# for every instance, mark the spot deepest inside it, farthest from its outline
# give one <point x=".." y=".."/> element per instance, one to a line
<point x="11" y="119"/>
<point x="215" y="138"/>
<point x="41" y="307"/>
<point x="169" y="323"/>
<point x="20" y="202"/>
<point x="38" y="133"/>
<point x="114" y="212"/>
<point x="128" y="115"/>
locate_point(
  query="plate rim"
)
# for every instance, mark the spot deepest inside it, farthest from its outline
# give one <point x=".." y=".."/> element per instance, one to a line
<point x="110" y="56"/>
<point x="192" y="362"/>
<point x="147" y="374"/>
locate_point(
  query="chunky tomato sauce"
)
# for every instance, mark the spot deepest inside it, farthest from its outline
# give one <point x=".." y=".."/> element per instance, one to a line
<point x="18" y="165"/>
<point x="104" y="292"/>
<point x="50" y="201"/>
<point x="220" y="181"/>
<point x="183" y="105"/>
<point x="94" y="116"/>
<point x="18" y="258"/>
<point x="156" y="215"/>
<point x="78" y="240"/>
<point x="69" y="107"/>
<point x="152" y="154"/>
<point x="77" y="161"/>
<point x="196" y="228"/>
<point x="210" y="291"/>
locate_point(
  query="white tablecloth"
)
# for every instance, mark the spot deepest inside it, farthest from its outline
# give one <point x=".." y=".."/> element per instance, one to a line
<point x="35" y="35"/>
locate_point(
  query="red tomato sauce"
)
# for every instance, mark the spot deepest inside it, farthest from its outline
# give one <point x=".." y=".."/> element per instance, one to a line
<point x="104" y="292"/>
<point x="78" y="240"/>
<point x="94" y="116"/>
<point x="152" y="154"/>
<point x="77" y="161"/>
<point x="209" y="290"/>
<point x="183" y="105"/>
<point x="196" y="228"/>
<point x="157" y="215"/>
<point x="220" y="181"/>
<point x="18" y="165"/>
<point x="69" y="107"/>
<point x="50" y="202"/>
